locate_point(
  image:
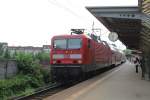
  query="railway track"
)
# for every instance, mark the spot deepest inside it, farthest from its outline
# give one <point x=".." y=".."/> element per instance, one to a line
<point x="42" y="92"/>
<point x="51" y="89"/>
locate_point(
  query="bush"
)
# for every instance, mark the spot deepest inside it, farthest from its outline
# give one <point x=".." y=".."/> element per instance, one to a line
<point x="24" y="63"/>
<point x="13" y="86"/>
<point x="43" y="56"/>
<point x="30" y="76"/>
<point x="31" y="67"/>
<point x="46" y="76"/>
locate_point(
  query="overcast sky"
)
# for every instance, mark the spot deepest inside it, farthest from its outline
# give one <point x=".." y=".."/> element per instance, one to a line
<point x="34" y="22"/>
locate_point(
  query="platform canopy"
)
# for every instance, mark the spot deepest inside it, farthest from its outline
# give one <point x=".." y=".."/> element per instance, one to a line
<point x="126" y="21"/>
<point x="131" y="23"/>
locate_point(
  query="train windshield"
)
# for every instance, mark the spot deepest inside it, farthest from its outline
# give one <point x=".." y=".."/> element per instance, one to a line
<point x="60" y="44"/>
<point x="74" y="43"/>
<point x="67" y="43"/>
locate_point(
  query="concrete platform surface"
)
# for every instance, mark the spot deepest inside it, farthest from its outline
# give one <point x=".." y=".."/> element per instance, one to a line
<point x="121" y="83"/>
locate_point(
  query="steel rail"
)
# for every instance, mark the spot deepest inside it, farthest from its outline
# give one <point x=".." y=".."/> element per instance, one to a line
<point x="38" y="91"/>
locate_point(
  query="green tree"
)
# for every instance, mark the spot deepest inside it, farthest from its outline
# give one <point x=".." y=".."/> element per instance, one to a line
<point x="43" y="56"/>
<point x="1" y="50"/>
<point x="31" y="67"/>
<point x="7" y="54"/>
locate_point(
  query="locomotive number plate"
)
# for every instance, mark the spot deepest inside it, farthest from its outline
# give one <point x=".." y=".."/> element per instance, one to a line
<point x="66" y="56"/>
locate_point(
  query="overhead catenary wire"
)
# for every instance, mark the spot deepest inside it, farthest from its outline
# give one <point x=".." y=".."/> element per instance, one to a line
<point x="60" y="5"/>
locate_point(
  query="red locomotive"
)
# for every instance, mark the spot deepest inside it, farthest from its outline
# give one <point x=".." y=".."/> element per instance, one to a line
<point x="75" y="55"/>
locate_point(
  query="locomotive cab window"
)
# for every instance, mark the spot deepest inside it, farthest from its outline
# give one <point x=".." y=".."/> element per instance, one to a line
<point x="60" y="44"/>
<point x="74" y="43"/>
<point x="67" y="43"/>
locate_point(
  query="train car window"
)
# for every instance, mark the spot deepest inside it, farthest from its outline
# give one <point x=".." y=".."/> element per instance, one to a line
<point x="60" y="44"/>
<point x="89" y="43"/>
<point x="74" y="43"/>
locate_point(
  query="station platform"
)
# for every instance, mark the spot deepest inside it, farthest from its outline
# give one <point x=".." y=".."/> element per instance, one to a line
<point x="121" y="83"/>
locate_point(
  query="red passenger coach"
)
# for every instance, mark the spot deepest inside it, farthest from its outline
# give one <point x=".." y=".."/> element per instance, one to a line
<point x="75" y="55"/>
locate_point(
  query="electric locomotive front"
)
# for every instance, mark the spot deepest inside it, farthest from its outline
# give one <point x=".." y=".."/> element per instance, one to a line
<point x="67" y="56"/>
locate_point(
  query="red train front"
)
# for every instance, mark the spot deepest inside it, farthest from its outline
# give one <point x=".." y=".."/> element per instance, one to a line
<point x="75" y="55"/>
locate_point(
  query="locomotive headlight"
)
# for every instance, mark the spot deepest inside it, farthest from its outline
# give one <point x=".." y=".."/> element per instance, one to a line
<point x="54" y="62"/>
<point x="79" y="61"/>
<point x="58" y="56"/>
<point x="75" y="56"/>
